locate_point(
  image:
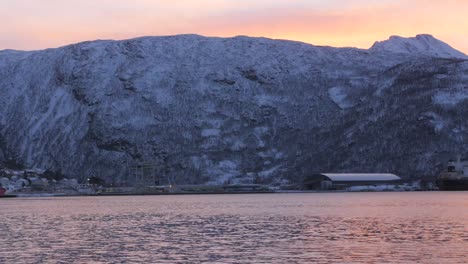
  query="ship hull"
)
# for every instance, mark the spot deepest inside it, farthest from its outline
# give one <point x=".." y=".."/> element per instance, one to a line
<point x="453" y="185"/>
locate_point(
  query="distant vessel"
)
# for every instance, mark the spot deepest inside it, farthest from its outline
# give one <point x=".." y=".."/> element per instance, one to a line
<point x="455" y="178"/>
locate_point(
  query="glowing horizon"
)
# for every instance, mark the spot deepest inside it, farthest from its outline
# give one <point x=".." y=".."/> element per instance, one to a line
<point x="31" y="24"/>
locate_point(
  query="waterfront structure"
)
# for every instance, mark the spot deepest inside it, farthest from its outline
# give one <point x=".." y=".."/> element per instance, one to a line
<point x="455" y="178"/>
<point x="342" y="181"/>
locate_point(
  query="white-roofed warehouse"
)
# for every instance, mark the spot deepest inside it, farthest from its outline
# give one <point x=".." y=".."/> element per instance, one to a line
<point x="339" y="181"/>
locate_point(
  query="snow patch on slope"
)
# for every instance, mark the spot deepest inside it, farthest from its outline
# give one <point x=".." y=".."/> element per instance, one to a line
<point x="210" y="132"/>
<point x="450" y="98"/>
<point x="269" y="172"/>
<point x="436" y="121"/>
<point x="339" y="97"/>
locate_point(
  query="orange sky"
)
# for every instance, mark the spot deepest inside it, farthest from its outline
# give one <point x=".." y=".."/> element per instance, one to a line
<point x="37" y="24"/>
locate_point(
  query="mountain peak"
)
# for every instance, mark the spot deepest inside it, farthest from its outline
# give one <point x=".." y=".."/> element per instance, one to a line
<point x="423" y="44"/>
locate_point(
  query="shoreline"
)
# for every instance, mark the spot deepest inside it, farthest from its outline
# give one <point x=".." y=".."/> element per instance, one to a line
<point x="44" y="195"/>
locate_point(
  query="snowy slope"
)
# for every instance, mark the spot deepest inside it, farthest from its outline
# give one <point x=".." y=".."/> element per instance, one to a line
<point x="230" y="109"/>
<point x="423" y="44"/>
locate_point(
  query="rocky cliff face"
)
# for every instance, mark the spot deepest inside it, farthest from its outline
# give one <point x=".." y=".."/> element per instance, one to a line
<point x="238" y="109"/>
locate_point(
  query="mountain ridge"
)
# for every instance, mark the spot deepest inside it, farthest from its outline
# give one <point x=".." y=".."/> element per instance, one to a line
<point x="423" y="44"/>
<point x="230" y="109"/>
<point x="378" y="45"/>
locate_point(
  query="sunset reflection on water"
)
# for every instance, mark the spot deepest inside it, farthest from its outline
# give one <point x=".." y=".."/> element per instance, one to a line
<point x="427" y="227"/>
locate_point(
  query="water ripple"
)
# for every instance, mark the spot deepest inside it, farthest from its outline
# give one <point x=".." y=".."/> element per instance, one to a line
<point x="276" y="228"/>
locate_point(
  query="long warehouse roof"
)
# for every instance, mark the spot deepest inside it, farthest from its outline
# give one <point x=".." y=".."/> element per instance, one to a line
<point x="361" y="176"/>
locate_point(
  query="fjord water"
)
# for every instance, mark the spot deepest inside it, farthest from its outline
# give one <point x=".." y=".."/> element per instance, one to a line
<point x="429" y="227"/>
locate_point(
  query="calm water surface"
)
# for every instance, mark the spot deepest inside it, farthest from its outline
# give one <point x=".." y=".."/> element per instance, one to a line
<point x="429" y="227"/>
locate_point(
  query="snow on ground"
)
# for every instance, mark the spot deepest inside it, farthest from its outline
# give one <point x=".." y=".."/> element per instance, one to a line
<point x="450" y="98"/>
<point x="265" y="100"/>
<point x="210" y="132"/>
<point x="269" y="172"/>
<point x="339" y="97"/>
<point x="436" y="121"/>
<point x="238" y="145"/>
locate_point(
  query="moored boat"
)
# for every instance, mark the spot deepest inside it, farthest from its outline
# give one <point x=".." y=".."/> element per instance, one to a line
<point x="455" y="178"/>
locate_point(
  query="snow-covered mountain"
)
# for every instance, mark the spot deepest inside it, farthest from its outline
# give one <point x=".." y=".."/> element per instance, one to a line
<point x="232" y="109"/>
<point x="422" y="44"/>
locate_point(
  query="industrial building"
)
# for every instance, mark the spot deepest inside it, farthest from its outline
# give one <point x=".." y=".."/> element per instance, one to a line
<point x="342" y="181"/>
